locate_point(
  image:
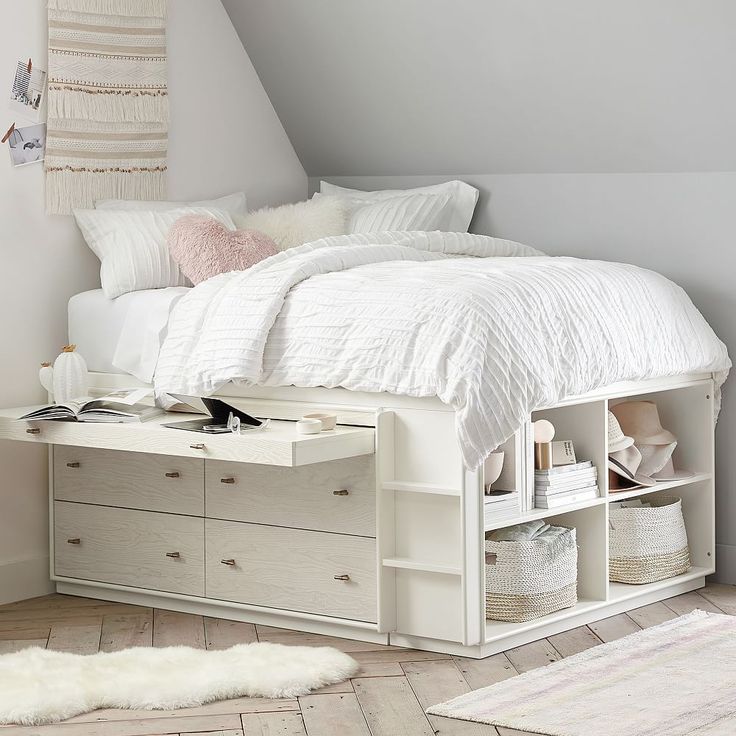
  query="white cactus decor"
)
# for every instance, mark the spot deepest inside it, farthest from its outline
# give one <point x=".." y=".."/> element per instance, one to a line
<point x="46" y="376"/>
<point x="71" y="377"/>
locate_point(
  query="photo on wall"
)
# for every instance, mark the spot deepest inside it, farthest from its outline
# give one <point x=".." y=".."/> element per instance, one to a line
<point x="28" y="91"/>
<point x="28" y="144"/>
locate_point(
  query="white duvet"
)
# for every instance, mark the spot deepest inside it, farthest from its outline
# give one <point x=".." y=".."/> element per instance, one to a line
<point x="493" y="328"/>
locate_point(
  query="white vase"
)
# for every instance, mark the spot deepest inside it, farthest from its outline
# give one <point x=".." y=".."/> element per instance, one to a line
<point x="46" y="377"/>
<point x="71" y="377"/>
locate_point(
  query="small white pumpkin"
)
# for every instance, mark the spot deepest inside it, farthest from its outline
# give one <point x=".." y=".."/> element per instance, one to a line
<point x="46" y="377"/>
<point x="71" y="377"/>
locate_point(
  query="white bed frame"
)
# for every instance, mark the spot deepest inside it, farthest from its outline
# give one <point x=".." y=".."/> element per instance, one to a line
<point x="426" y="581"/>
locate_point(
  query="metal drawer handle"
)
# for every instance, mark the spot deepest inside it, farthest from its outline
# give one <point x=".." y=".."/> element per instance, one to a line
<point x="229" y="481"/>
<point x="33" y="430"/>
<point x="342" y="492"/>
<point x="175" y="474"/>
<point x="76" y="540"/>
<point x="72" y="465"/>
<point x="174" y="555"/>
<point x="342" y="577"/>
<point x="231" y="563"/>
<point x="197" y="446"/>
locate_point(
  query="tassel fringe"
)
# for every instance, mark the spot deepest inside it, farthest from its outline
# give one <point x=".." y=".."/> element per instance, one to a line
<point x="108" y="108"/>
<point x="139" y="8"/>
<point x="68" y="190"/>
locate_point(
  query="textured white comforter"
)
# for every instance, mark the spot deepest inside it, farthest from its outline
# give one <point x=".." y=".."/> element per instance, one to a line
<point x="462" y="317"/>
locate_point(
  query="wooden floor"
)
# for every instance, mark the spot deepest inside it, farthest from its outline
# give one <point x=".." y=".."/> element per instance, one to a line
<point x="387" y="698"/>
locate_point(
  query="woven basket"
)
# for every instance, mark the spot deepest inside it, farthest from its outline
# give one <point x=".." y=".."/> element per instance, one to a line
<point x="648" y="544"/>
<point x="526" y="580"/>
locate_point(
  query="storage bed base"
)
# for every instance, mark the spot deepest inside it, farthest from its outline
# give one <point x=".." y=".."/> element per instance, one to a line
<point x="422" y="522"/>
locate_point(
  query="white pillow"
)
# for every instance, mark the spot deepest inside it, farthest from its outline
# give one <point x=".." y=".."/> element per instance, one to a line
<point x="415" y="212"/>
<point x="232" y="203"/>
<point x="131" y="245"/>
<point x="458" y="213"/>
<point x="293" y="224"/>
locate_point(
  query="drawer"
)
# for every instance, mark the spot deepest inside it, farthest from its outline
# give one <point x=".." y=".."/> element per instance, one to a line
<point x="279" y="444"/>
<point x="333" y="497"/>
<point x="293" y="569"/>
<point x="133" y="480"/>
<point x="142" y="549"/>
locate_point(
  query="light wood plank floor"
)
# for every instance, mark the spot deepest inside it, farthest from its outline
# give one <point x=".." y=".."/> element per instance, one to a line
<point x="387" y="698"/>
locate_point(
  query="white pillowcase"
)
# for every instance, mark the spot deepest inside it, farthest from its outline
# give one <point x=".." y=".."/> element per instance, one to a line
<point x="293" y="224"/>
<point x="131" y="246"/>
<point x="458" y="211"/>
<point x="415" y="212"/>
<point x="232" y="203"/>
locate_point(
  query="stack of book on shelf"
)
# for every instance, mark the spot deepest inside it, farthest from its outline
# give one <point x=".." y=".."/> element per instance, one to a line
<point x="500" y="506"/>
<point x="565" y="484"/>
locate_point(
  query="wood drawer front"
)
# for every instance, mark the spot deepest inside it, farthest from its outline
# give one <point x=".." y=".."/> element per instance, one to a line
<point x="291" y="569"/>
<point x="129" y="547"/>
<point x="309" y="497"/>
<point x="132" y="480"/>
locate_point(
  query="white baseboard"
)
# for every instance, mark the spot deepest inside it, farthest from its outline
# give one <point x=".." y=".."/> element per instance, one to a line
<point x="24" y="579"/>
<point x="725" y="564"/>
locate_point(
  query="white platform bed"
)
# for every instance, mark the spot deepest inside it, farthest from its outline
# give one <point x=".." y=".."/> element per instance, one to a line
<point x="376" y="531"/>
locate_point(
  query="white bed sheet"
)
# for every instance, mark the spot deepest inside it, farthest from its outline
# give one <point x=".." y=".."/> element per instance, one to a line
<point x="123" y="334"/>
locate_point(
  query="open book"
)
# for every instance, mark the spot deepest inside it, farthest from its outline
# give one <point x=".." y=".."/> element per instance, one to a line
<point x="119" y="406"/>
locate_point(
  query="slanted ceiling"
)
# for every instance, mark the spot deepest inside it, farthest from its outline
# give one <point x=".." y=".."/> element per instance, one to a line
<point x="398" y="87"/>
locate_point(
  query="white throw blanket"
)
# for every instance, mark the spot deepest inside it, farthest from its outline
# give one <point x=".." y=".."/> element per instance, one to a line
<point x="457" y="316"/>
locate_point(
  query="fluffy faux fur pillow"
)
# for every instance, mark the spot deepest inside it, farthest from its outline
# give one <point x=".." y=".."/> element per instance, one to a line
<point x="203" y="247"/>
<point x="293" y="224"/>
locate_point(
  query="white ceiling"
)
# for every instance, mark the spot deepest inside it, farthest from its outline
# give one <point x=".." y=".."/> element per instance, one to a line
<point x="382" y="87"/>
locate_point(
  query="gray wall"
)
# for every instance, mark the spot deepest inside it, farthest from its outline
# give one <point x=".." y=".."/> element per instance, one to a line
<point x="594" y="128"/>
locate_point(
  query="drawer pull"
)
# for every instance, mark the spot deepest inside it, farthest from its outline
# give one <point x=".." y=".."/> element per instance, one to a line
<point x="174" y="555"/>
<point x="231" y="563"/>
<point x="175" y="474"/>
<point x="76" y="540"/>
<point x="342" y="577"/>
<point x="229" y="481"/>
<point x="197" y="446"/>
<point x="342" y="492"/>
<point x="72" y="465"/>
<point x="33" y="430"/>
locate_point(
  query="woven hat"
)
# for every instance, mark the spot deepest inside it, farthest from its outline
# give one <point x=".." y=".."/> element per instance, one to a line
<point x="640" y="420"/>
<point x="626" y="463"/>
<point x="617" y="440"/>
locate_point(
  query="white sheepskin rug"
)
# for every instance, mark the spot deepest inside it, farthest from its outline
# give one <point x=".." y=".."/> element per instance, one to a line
<point x="40" y="686"/>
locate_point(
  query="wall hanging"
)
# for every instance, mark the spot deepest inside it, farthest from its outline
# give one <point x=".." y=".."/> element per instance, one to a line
<point x="107" y="102"/>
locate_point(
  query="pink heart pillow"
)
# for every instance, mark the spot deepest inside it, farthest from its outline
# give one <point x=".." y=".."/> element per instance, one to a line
<point x="204" y="247"/>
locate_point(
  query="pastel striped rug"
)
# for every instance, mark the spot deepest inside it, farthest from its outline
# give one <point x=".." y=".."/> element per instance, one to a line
<point x="678" y="678"/>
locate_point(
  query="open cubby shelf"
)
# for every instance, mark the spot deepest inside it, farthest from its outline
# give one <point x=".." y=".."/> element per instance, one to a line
<point x="687" y="411"/>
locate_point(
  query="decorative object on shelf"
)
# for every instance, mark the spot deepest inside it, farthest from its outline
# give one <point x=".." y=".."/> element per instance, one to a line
<point x="563" y="453"/>
<point x="624" y="460"/>
<point x="544" y="433"/>
<point x="640" y="421"/>
<point x="46" y="378"/>
<point x="492" y="469"/>
<point x="111" y="98"/>
<point x="309" y="426"/>
<point x="647" y="541"/>
<point x="71" y="377"/>
<point x="328" y="420"/>
<point x="566" y="484"/>
<point x="533" y="576"/>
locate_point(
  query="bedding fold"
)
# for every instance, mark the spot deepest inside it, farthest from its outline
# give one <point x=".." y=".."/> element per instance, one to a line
<point x="493" y="328"/>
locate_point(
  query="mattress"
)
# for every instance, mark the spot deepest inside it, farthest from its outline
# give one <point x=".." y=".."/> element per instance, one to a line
<point x="122" y="335"/>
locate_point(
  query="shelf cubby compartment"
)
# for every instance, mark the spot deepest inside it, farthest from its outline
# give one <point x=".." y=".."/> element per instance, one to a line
<point x="592" y="540"/>
<point x="698" y="512"/>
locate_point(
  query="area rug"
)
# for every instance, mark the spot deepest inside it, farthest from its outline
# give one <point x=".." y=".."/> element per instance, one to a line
<point x="40" y="686"/>
<point x="108" y="105"/>
<point x="678" y="678"/>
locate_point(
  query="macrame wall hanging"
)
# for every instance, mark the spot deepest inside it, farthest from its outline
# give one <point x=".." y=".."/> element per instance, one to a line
<point x="108" y="104"/>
